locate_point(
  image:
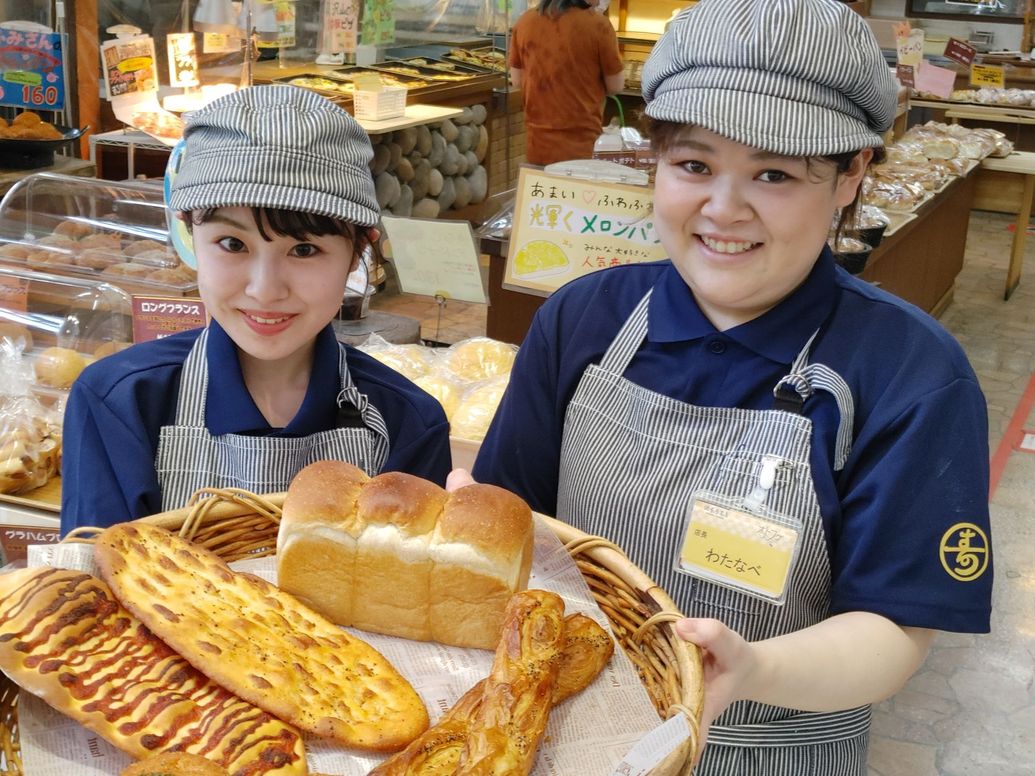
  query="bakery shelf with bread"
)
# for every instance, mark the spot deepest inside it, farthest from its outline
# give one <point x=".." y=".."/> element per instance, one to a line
<point x="242" y="528"/>
<point x="89" y="228"/>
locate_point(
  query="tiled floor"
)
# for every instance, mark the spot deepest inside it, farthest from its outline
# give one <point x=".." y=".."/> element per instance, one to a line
<point x="970" y="710"/>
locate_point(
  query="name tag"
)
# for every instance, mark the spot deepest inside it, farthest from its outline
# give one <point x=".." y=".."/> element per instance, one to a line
<point x="748" y="550"/>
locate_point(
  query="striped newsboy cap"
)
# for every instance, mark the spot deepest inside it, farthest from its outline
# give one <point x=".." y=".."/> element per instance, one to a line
<point x="279" y="147"/>
<point x="792" y="77"/>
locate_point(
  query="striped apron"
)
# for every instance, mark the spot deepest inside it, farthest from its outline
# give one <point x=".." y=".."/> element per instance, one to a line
<point x="631" y="459"/>
<point x="189" y="457"/>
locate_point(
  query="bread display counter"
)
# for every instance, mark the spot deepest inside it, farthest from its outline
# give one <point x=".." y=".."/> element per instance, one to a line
<point x="93" y="229"/>
<point x="74" y="252"/>
<point x="51" y="328"/>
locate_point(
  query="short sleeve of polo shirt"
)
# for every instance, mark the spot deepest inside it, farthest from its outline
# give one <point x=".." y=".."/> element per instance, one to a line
<point x="914" y="535"/>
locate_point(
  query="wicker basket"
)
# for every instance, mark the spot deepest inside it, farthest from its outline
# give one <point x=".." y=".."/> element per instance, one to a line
<point x="236" y="524"/>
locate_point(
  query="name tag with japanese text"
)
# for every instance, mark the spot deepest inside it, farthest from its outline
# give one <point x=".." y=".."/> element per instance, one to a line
<point x="748" y="548"/>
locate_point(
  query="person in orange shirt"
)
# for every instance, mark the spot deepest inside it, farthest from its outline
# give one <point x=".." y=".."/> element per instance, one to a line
<point x="564" y="57"/>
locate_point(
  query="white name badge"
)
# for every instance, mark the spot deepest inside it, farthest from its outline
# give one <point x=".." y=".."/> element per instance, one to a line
<point x="741" y="544"/>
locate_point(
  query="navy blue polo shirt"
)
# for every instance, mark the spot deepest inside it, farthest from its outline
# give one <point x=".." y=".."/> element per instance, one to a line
<point x="118" y="406"/>
<point x="919" y="459"/>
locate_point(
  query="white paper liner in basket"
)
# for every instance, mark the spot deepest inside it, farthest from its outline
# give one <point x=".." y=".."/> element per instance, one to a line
<point x="588" y="734"/>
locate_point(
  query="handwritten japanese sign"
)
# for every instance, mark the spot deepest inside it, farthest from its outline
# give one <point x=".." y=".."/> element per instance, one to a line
<point x="129" y="66"/>
<point x="435" y="257"/>
<point x="32" y="70"/>
<point x="378" y="25"/>
<point x="284" y="13"/>
<point x="988" y="75"/>
<point x="155" y="317"/>
<point x="910" y="48"/>
<point x="565" y="228"/>
<point x="340" y="25"/>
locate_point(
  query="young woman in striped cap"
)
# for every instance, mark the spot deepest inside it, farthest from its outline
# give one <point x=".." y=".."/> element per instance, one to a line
<point x="274" y="187"/>
<point x="796" y="456"/>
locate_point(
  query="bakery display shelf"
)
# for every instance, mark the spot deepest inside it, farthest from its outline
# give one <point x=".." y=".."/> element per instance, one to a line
<point x="46" y="497"/>
<point x="413" y="116"/>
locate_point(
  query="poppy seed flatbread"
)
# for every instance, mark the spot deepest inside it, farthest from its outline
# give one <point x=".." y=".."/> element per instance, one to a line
<point x="65" y="638"/>
<point x="260" y="643"/>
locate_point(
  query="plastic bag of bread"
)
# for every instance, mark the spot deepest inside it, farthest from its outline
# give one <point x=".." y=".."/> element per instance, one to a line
<point x="445" y="389"/>
<point x="30" y="444"/>
<point x="479" y="358"/>
<point x="477" y="408"/>
<point x="409" y="360"/>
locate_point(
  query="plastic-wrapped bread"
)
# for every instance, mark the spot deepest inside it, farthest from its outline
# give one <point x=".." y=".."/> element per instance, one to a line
<point x="399" y="555"/>
<point x="479" y="358"/>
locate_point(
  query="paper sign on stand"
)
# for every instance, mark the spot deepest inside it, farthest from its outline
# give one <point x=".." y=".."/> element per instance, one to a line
<point x="129" y="66"/>
<point x="988" y="75"/>
<point x="910" y="48"/>
<point x="935" y="80"/>
<point x="436" y="258"/>
<point x="566" y="227"/>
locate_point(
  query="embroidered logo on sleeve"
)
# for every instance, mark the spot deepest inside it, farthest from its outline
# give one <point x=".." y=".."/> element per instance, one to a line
<point x="964" y="552"/>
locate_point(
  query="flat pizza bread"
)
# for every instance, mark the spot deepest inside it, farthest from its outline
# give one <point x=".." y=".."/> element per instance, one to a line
<point x="259" y="642"/>
<point x="65" y="638"/>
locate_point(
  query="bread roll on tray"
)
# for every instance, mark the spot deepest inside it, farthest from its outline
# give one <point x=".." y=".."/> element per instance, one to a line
<point x="399" y="555"/>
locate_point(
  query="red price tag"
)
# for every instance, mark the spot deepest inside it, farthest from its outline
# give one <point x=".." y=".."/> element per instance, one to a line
<point x="905" y="75"/>
<point x="155" y="317"/>
<point x="961" y="52"/>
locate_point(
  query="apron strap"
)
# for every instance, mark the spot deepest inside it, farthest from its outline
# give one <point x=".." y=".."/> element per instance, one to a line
<point x="190" y="403"/>
<point x="350" y="395"/>
<point x="190" y="406"/>
<point x="629" y="338"/>
<point x="804" y="379"/>
<point x="805" y="729"/>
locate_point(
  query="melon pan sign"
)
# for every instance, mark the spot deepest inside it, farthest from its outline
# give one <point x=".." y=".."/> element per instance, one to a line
<point x="565" y="228"/>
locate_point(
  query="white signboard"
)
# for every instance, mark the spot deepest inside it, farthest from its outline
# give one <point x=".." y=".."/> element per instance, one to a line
<point x="436" y="258"/>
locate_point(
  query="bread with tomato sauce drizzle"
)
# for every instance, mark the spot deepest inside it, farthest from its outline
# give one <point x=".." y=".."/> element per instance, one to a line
<point x="65" y="638"/>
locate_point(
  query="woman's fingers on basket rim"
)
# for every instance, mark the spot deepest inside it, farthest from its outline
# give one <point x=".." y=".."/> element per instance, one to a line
<point x="458" y="478"/>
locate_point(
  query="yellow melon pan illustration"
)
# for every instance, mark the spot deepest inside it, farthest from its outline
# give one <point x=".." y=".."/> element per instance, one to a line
<point x="539" y="256"/>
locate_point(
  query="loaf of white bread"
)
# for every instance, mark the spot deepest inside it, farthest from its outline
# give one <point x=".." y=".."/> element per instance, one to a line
<point x="397" y="554"/>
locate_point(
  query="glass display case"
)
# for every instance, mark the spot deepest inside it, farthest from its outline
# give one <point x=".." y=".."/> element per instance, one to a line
<point x="51" y="328"/>
<point x="93" y="229"/>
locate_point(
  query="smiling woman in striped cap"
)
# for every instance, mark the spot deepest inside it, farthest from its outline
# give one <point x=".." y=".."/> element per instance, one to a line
<point x="274" y="188"/>
<point x="798" y="457"/>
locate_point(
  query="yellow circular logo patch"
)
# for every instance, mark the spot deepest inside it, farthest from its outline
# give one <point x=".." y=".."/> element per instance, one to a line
<point x="964" y="552"/>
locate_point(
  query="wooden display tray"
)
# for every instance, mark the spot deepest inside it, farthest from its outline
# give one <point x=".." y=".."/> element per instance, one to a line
<point x="46" y="497"/>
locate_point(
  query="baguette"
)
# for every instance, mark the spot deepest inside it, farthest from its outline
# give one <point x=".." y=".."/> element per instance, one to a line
<point x="586" y="650"/>
<point x="398" y="555"/>
<point x="65" y="638"/>
<point x="259" y="642"/>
